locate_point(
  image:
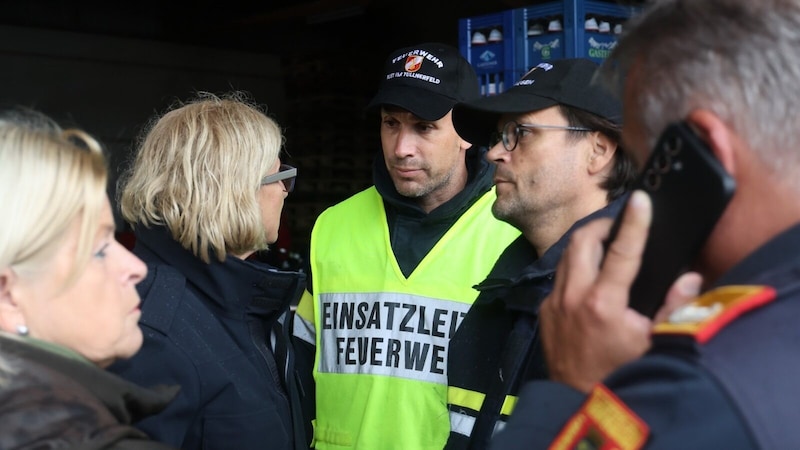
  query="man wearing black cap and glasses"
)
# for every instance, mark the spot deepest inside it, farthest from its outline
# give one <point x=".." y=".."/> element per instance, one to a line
<point x="393" y="267"/>
<point x="554" y="138"/>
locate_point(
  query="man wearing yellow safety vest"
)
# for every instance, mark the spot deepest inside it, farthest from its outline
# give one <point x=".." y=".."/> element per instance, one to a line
<point x="393" y="267"/>
<point x="554" y="137"/>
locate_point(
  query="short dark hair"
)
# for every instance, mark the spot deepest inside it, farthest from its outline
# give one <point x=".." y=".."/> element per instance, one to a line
<point x="622" y="175"/>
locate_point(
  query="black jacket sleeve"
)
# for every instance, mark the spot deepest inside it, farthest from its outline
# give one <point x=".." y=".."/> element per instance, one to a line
<point x="680" y="402"/>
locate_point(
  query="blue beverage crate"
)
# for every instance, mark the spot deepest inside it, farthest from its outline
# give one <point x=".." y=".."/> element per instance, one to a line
<point x="548" y="45"/>
<point x="498" y="64"/>
<point x="573" y="41"/>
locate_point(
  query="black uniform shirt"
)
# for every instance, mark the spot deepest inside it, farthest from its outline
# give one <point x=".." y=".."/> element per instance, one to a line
<point x="739" y="390"/>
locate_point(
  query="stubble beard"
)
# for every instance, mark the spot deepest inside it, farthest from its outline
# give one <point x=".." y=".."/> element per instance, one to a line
<point x="418" y="190"/>
<point x="507" y="211"/>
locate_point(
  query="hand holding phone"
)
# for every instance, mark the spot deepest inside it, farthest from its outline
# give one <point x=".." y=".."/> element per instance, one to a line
<point x="689" y="190"/>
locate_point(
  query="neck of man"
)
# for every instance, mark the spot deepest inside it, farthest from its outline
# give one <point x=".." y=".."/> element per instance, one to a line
<point x="543" y="230"/>
<point x="763" y="207"/>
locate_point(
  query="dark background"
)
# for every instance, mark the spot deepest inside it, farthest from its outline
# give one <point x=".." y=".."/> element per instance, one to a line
<point x="282" y="27"/>
<point x="109" y="66"/>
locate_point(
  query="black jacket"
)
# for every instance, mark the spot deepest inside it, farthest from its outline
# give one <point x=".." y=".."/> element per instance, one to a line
<point x="736" y="390"/>
<point x="412" y="231"/>
<point x="218" y="330"/>
<point x="496" y="348"/>
<point x="51" y="400"/>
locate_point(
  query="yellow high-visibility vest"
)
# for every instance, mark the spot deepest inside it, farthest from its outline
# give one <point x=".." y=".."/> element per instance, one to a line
<point x="381" y="338"/>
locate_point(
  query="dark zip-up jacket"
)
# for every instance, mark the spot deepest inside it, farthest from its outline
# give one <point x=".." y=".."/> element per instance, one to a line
<point x="735" y="389"/>
<point x="51" y="399"/>
<point x="218" y="330"/>
<point x="414" y="232"/>
<point x="496" y="348"/>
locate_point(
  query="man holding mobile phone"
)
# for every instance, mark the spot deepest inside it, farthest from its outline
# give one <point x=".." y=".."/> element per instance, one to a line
<point x="720" y="371"/>
<point x="554" y="140"/>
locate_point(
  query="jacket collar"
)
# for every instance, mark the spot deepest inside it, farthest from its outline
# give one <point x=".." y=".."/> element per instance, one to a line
<point x="519" y="261"/>
<point x="526" y="280"/>
<point x="234" y="286"/>
<point x="781" y="253"/>
<point x="128" y="402"/>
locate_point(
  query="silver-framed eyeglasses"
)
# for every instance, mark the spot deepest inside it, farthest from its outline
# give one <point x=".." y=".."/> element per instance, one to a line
<point x="286" y="174"/>
<point x="511" y="132"/>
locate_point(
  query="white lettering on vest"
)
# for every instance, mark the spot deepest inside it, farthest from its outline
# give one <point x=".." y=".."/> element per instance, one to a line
<point x="392" y="334"/>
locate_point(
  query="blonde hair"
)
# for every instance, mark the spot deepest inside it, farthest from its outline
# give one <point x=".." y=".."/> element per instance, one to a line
<point x="197" y="172"/>
<point x="48" y="178"/>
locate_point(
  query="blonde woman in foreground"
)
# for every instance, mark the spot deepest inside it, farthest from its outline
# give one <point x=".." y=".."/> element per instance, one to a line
<point x="68" y="302"/>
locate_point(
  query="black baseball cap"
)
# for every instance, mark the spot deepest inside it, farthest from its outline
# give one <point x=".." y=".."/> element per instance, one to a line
<point x="567" y="82"/>
<point x="427" y="80"/>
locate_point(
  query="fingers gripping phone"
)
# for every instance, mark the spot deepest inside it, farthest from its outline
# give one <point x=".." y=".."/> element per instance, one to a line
<point x="689" y="190"/>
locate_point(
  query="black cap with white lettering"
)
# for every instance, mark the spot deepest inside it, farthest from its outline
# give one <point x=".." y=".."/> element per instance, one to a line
<point x="426" y="80"/>
<point x="567" y="82"/>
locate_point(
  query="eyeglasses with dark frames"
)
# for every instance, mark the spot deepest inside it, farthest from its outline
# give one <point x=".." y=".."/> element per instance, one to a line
<point x="286" y="174"/>
<point x="511" y="130"/>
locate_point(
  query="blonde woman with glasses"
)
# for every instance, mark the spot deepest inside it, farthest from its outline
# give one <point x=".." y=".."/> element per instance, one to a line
<point x="68" y="300"/>
<point x="205" y="191"/>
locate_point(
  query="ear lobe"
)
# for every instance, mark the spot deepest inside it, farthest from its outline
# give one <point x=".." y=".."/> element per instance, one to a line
<point x="717" y="135"/>
<point x="7" y="280"/>
<point x="602" y="152"/>
<point x="10" y="314"/>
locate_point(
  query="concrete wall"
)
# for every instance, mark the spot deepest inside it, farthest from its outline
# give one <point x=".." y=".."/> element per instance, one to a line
<point x="111" y="86"/>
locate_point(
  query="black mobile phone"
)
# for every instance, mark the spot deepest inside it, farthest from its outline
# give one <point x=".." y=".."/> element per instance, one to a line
<point x="689" y="190"/>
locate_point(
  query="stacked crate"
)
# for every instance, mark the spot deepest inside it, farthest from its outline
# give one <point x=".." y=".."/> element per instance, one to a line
<point x="497" y="62"/>
<point x="589" y="29"/>
<point x="534" y="34"/>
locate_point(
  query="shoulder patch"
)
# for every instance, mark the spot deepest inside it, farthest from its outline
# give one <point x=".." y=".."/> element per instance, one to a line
<point x="712" y="311"/>
<point x="603" y="422"/>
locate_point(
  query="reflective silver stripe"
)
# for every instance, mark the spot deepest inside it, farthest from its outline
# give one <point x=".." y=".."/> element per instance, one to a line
<point x="463" y="424"/>
<point x="303" y="330"/>
<point x="498" y="426"/>
<point x="387" y="333"/>
<point x="273" y="338"/>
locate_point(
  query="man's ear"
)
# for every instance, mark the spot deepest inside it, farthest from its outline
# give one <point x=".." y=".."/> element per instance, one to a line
<point x="601" y="153"/>
<point x="717" y="135"/>
<point x="10" y="313"/>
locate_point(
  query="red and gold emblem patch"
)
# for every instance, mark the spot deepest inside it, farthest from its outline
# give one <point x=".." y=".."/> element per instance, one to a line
<point x="413" y="63"/>
<point x="603" y="423"/>
<point x="711" y="312"/>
